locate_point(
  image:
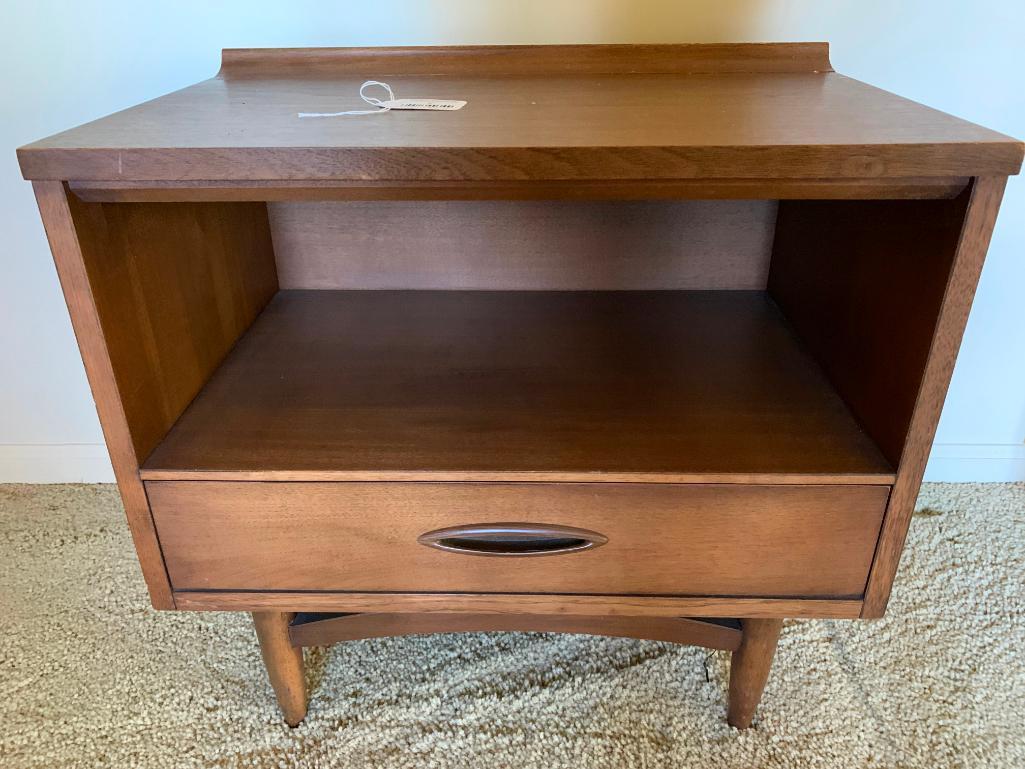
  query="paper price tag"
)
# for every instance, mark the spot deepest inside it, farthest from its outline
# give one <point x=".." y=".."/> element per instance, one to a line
<point x="381" y="107"/>
<point x="432" y="104"/>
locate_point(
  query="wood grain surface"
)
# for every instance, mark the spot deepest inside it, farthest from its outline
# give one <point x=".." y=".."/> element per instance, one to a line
<point x="520" y="603"/>
<point x="918" y="188"/>
<point x="175" y="285"/>
<point x="524" y="245"/>
<point x="862" y="283"/>
<point x="880" y="292"/>
<point x="497" y="60"/>
<point x="749" y="668"/>
<point x="687" y="539"/>
<point x="964" y="267"/>
<point x="351" y="627"/>
<point x="560" y="126"/>
<point x="284" y="663"/>
<point x="569" y="384"/>
<point x="64" y="235"/>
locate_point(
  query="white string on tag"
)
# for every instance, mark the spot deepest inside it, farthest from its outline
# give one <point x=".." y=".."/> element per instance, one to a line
<point x="380" y="106"/>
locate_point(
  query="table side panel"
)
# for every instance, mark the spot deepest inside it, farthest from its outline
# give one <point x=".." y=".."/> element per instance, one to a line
<point x="879" y="292"/>
<point x="977" y="228"/>
<point x="63" y="233"/>
<point x="862" y="282"/>
<point x="176" y="285"/>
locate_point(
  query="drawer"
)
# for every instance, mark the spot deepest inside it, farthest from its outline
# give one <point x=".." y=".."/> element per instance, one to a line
<point x="727" y="540"/>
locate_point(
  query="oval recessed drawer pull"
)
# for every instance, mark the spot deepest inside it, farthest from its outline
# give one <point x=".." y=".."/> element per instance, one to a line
<point x="512" y="539"/>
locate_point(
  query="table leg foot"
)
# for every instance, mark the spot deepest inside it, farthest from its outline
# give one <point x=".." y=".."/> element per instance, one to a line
<point x="284" y="663"/>
<point x="749" y="668"/>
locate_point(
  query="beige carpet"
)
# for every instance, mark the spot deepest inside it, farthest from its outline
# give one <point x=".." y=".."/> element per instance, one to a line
<point x="90" y="676"/>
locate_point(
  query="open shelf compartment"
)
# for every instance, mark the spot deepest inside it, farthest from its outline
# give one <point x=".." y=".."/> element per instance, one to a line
<point x="674" y="341"/>
<point x="477" y="385"/>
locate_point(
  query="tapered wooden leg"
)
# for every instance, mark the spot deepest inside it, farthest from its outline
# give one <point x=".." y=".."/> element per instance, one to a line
<point x="749" y="668"/>
<point x="284" y="663"/>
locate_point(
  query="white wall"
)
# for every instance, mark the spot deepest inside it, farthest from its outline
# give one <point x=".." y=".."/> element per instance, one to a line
<point x="68" y="62"/>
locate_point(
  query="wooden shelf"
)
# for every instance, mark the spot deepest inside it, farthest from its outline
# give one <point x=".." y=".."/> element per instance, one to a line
<point x="702" y="386"/>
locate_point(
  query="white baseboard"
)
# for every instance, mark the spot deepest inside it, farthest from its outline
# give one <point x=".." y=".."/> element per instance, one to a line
<point x="979" y="462"/>
<point x="89" y="463"/>
<point x="55" y="463"/>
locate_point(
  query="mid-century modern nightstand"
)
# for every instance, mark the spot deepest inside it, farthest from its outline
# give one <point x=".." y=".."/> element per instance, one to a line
<point x="646" y="341"/>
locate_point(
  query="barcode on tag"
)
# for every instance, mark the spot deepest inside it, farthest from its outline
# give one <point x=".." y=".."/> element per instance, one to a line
<point x="436" y="104"/>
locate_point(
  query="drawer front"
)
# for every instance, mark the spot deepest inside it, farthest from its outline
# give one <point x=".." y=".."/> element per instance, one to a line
<point x="726" y="540"/>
